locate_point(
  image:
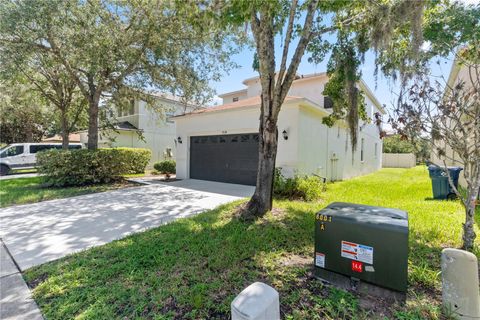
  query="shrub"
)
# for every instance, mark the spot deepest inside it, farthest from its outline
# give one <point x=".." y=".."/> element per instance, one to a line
<point x="81" y="167"/>
<point x="308" y="188"/>
<point x="166" y="167"/>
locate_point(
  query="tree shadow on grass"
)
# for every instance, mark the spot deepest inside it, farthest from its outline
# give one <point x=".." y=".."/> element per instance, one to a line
<point x="193" y="268"/>
<point x="190" y="268"/>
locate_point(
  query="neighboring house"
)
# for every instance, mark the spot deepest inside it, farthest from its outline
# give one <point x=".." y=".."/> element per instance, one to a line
<point x="72" y="137"/>
<point x="458" y="73"/>
<point x="142" y="126"/>
<point x="221" y="143"/>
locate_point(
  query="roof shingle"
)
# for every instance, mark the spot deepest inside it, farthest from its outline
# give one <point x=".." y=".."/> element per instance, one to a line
<point x="249" y="102"/>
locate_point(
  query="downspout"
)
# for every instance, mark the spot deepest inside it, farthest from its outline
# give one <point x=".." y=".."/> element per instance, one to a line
<point x="326" y="156"/>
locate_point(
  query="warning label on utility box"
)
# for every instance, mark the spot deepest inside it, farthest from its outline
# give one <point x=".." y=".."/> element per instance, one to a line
<point x="357" y="252"/>
<point x="320" y="260"/>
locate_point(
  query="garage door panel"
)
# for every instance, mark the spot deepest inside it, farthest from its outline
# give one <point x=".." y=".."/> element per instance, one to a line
<point x="225" y="158"/>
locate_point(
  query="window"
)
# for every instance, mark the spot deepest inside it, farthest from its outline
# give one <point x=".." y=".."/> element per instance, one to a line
<point x="40" y="147"/>
<point x="235" y="99"/>
<point x="376" y="150"/>
<point x="74" y="146"/>
<point x="12" y="151"/>
<point x="169" y="115"/>
<point x="362" y="145"/>
<point x="327" y="103"/>
<point x="131" y="110"/>
<point x="127" y="110"/>
<point x="244" y="138"/>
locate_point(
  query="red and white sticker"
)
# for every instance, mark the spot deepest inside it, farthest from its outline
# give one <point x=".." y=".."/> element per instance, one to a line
<point x="319" y="259"/>
<point x="358" y="252"/>
<point x="357" y="266"/>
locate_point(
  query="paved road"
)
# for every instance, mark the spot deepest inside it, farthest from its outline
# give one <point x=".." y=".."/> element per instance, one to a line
<point x="45" y="231"/>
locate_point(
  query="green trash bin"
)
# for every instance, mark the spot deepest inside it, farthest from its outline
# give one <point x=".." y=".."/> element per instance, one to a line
<point x="440" y="185"/>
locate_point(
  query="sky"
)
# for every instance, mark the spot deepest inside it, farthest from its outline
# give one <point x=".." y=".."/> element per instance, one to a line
<point x="384" y="89"/>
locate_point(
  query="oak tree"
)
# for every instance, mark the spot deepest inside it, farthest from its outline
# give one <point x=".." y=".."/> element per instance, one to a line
<point x="106" y="45"/>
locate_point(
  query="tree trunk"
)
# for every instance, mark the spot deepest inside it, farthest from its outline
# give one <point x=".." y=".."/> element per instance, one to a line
<point x="272" y="97"/>
<point x="92" y="143"/>
<point x="261" y="201"/>
<point x="468" y="227"/>
<point x="468" y="231"/>
<point x="28" y="132"/>
<point x="65" y="131"/>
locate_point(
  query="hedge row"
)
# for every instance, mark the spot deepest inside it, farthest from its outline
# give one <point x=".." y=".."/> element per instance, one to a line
<point x="81" y="167"/>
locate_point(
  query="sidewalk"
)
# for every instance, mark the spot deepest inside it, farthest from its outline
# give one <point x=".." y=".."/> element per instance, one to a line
<point x="16" y="302"/>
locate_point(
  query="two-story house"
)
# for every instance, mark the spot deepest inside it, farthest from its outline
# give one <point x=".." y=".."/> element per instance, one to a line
<point x="459" y="73"/>
<point x="221" y="143"/>
<point x="141" y="126"/>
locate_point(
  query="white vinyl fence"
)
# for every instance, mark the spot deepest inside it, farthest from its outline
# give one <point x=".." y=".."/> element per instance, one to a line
<point x="398" y="160"/>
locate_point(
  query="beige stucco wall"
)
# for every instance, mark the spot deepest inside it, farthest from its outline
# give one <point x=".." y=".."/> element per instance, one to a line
<point x="398" y="160"/>
<point x="228" y="98"/>
<point x="309" y="149"/>
<point x="243" y="120"/>
<point x="458" y="74"/>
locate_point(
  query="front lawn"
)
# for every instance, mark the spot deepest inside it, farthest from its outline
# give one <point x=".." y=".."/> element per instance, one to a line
<point x="29" y="190"/>
<point x="193" y="268"/>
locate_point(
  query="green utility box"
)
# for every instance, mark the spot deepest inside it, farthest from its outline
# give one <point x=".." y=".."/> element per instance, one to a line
<point x="363" y="246"/>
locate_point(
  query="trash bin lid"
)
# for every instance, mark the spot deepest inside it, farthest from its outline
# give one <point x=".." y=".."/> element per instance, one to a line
<point x="455" y="168"/>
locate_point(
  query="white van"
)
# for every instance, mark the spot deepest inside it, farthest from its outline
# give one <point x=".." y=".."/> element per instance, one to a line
<point x="23" y="155"/>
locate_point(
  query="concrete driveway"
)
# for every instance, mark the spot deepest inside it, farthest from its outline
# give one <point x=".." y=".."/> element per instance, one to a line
<point x="45" y="231"/>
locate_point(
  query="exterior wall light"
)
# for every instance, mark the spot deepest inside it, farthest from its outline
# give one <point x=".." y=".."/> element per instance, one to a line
<point x="179" y="139"/>
<point x="285" y="134"/>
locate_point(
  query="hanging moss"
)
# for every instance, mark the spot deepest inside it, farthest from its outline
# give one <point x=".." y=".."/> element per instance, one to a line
<point x="348" y="101"/>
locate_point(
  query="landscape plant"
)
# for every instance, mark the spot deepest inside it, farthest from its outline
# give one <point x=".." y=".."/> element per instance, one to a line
<point x="166" y="167"/>
<point x="60" y="168"/>
<point x="304" y="187"/>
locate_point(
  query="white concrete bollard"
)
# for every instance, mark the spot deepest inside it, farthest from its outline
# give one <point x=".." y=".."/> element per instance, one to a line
<point x="460" y="286"/>
<point x="258" y="301"/>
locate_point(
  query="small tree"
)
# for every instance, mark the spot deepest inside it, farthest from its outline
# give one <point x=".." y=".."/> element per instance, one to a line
<point x="418" y="145"/>
<point x="450" y="114"/>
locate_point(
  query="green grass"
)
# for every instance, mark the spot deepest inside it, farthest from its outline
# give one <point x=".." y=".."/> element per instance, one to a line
<point x="29" y="190"/>
<point x="193" y="268"/>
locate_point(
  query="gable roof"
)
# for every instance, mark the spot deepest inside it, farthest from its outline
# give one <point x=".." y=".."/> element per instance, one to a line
<point x="244" y="103"/>
<point x="124" y="125"/>
<point x="72" y="137"/>
<point x="361" y="84"/>
<point x="298" y="77"/>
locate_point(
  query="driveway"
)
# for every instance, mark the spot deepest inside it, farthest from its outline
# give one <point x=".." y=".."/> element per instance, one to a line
<point x="45" y="231"/>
